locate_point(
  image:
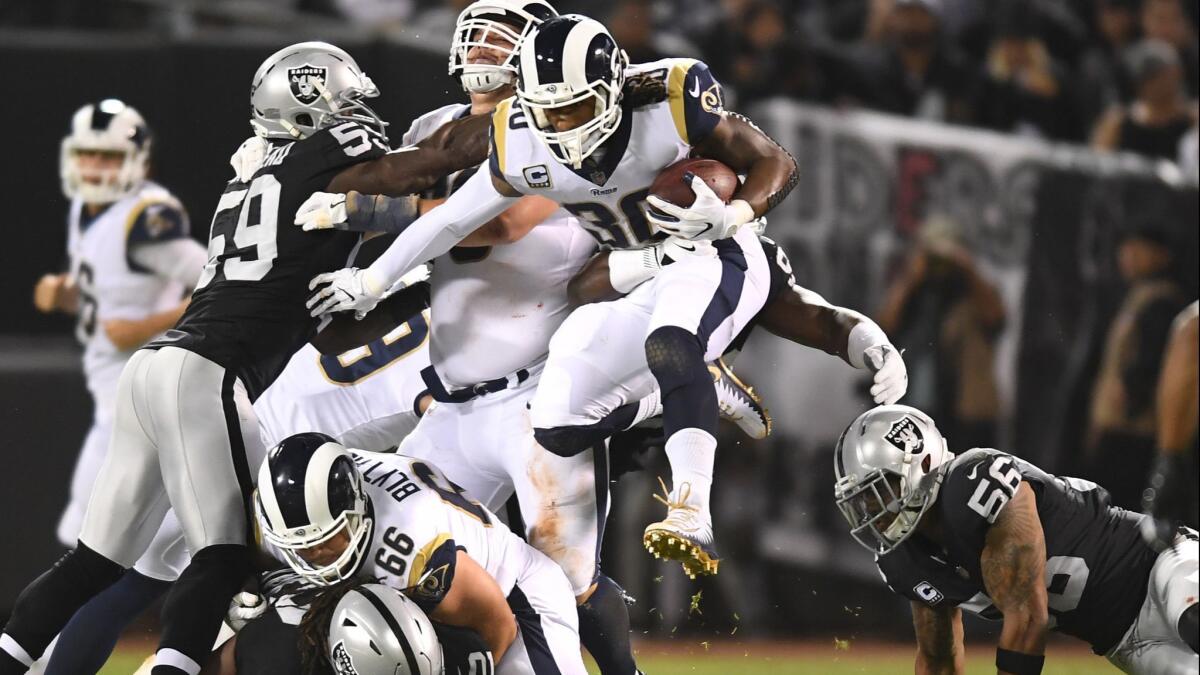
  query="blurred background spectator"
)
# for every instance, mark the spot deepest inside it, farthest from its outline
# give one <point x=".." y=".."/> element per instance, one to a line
<point x="1026" y="90"/>
<point x="911" y="69"/>
<point x="1103" y="77"/>
<point x="1160" y="116"/>
<point x="1122" y="428"/>
<point x="947" y="316"/>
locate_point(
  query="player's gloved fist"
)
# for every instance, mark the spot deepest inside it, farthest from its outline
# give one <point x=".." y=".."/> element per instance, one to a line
<point x="323" y="211"/>
<point x="891" y="375"/>
<point x="248" y="158"/>
<point x="707" y="218"/>
<point x="674" y="249"/>
<point x="244" y="608"/>
<point x="344" y="290"/>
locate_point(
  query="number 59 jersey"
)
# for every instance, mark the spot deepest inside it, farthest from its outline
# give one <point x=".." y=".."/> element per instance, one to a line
<point x="1097" y="566"/>
<point x="422" y="519"/>
<point x="679" y="106"/>
<point x="248" y="313"/>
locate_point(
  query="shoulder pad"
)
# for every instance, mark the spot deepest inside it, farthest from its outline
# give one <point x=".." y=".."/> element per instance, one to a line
<point x="505" y="119"/>
<point x="976" y="488"/>
<point x="154" y="220"/>
<point x="432" y="572"/>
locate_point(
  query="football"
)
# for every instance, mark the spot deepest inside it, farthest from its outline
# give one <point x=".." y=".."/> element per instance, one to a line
<point x="671" y="187"/>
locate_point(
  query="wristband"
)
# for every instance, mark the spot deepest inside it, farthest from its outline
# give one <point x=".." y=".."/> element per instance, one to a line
<point x="627" y="269"/>
<point x="1018" y="663"/>
<point x="379" y="213"/>
<point x="865" y="334"/>
<point x="739" y="212"/>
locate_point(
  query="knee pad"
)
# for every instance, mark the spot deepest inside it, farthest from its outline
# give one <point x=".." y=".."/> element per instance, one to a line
<point x="675" y="357"/>
<point x="567" y="441"/>
<point x="1189" y="627"/>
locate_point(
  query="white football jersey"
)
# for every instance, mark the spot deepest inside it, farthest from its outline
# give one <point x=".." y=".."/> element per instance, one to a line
<point x="608" y="192"/>
<point x="369" y="392"/>
<point x="421" y="519"/>
<point x="495" y="308"/>
<point x="111" y="284"/>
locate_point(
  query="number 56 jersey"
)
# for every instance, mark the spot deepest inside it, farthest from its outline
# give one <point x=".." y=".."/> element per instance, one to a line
<point x="1097" y="566"/>
<point x="248" y="313"/>
<point x="678" y="104"/>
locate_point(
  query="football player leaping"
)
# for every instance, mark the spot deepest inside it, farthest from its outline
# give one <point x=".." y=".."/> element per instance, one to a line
<point x="333" y="514"/>
<point x="573" y="136"/>
<point x="131" y="261"/>
<point x="184" y="431"/>
<point x="992" y="534"/>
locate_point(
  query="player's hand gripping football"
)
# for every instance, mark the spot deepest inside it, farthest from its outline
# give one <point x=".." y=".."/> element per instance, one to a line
<point x="322" y="211"/>
<point x="891" y="375"/>
<point x="344" y="290"/>
<point x="707" y="218"/>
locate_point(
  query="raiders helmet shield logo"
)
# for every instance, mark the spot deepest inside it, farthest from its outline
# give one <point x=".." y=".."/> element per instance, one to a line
<point x="342" y="663"/>
<point x="304" y="80"/>
<point x="905" y="436"/>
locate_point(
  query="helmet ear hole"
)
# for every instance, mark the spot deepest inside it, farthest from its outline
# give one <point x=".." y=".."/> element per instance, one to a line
<point x="375" y="648"/>
<point x="925" y="463"/>
<point x="304" y="119"/>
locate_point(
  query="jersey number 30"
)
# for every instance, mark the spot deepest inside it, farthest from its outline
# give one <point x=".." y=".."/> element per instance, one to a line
<point x="242" y="246"/>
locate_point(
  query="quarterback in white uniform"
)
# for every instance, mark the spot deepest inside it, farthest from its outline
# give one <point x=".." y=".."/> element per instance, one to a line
<point x="332" y="513"/>
<point x="575" y="135"/>
<point x="131" y="266"/>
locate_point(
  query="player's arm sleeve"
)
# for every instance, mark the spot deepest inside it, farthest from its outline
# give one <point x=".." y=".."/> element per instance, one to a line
<point x="431" y="573"/>
<point x="180" y="260"/>
<point x="695" y="98"/>
<point x="436" y="232"/>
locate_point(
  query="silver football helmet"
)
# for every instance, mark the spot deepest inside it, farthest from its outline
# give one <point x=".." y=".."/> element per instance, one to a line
<point x="109" y="128"/>
<point x="375" y="630"/>
<point x="309" y="86"/>
<point x="497" y="26"/>
<point x="889" y="465"/>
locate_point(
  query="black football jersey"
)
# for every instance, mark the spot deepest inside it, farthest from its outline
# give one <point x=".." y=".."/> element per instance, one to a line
<point x="248" y="313"/>
<point x="1097" y="565"/>
<point x="782" y="279"/>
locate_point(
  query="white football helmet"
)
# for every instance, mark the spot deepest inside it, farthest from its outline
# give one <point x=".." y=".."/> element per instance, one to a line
<point x="310" y="491"/>
<point x="309" y="86"/>
<point x="569" y="59"/>
<point x="512" y="21"/>
<point x="376" y="630"/>
<point x="889" y="464"/>
<point x="109" y="126"/>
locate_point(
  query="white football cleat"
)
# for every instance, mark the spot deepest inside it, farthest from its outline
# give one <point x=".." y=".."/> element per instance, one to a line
<point x="738" y="402"/>
<point x="685" y="535"/>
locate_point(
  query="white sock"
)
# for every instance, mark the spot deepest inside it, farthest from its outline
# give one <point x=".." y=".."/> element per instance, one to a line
<point x="691" y="453"/>
<point x="648" y="407"/>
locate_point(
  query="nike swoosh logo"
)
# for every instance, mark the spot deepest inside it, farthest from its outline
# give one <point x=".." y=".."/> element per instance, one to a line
<point x="691" y="248"/>
<point x="974" y="470"/>
<point x="696" y="88"/>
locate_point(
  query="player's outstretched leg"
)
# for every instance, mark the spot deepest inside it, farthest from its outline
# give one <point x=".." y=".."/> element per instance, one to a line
<point x="676" y="359"/>
<point x="196" y="605"/>
<point x="46" y="605"/>
<point x="604" y="628"/>
<point x="90" y="636"/>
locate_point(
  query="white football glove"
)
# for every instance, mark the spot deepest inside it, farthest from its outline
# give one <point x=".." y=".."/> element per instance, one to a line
<point x="674" y="249"/>
<point x="322" y="211"/>
<point x="248" y="158"/>
<point x="891" y="375"/>
<point x="244" y="608"/>
<point x="344" y="290"/>
<point x="707" y="218"/>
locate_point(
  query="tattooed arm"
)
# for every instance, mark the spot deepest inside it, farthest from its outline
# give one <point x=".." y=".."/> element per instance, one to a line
<point x="939" y="640"/>
<point x="1013" y="563"/>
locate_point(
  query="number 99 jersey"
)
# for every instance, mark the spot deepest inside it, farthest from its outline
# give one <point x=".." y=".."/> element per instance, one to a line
<point x="1097" y="565"/>
<point x="248" y="313"/>
<point x="608" y="193"/>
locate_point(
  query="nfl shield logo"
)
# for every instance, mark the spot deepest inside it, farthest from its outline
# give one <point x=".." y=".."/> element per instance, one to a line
<point x="304" y="80"/>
